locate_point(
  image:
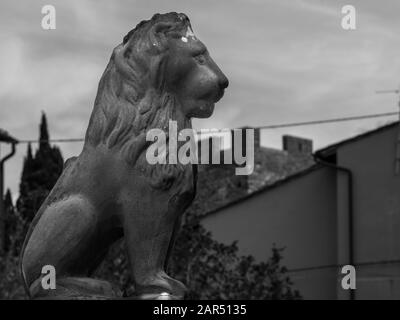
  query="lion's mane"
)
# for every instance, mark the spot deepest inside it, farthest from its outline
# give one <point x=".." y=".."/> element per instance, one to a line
<point x="131" y="97"/>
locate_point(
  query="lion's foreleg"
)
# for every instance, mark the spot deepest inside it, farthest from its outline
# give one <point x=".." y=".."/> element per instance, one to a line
<point x="147" y="250"/>
<point x="175" y="234"/>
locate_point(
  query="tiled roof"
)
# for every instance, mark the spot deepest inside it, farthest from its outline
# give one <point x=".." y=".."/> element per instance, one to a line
<point x="218" y="185"/>
<point x="273" y="165"/>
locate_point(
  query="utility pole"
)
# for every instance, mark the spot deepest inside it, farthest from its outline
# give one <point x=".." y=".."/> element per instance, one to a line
<point x="4" y="138"/>
<point x="397" y="160"/>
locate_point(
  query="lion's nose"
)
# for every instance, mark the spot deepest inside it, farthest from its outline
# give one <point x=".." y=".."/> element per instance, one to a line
<point x="223" y="82"/>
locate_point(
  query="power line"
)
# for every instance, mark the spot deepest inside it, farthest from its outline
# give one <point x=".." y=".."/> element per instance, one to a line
<point x="265" y="127"/>
<point x="306" y="123"/>
<point x="315" y="122"/>
<point x="52" y="140"/>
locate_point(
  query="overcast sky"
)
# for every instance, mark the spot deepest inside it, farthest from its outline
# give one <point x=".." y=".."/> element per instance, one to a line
<point x="286" y="60"/>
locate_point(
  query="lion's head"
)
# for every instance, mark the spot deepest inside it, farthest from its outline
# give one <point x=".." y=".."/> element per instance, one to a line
<point x="160" y="72"/>
<point x="169" y="58"/>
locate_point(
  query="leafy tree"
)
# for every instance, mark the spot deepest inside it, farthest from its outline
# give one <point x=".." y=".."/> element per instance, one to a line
<point x="211" y="270"/>
<point x="11" y="286"/>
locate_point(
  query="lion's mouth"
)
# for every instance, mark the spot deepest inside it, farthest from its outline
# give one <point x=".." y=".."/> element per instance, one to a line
<point x="208" y="107"/>
<point x="219" y="95"/>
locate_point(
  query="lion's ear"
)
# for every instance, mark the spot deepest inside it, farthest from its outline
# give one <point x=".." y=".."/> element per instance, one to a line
<point x="163" y="26"/>
<point x="158" y="32"/>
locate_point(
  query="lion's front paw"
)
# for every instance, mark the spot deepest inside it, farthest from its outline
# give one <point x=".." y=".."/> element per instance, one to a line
<point x="157" y="296"/>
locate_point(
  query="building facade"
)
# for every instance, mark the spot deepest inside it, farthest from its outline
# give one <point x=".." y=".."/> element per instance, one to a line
<point x="344" y="210"/>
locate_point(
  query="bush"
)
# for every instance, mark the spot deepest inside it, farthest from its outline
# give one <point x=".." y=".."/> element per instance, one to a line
<point x="211" y="270"/>
<point x="11" y="284"/>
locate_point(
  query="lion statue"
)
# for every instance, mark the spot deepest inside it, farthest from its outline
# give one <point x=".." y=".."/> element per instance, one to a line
<point x="160" y="72"/>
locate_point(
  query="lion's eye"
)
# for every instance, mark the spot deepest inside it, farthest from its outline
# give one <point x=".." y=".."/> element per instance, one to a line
<point x="201" y="59"/>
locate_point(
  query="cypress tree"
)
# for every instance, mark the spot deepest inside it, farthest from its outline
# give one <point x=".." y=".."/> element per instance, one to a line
<point x="39" y="174"/>
<point x="44" y="134"/>
<point x="11" y="220"/>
